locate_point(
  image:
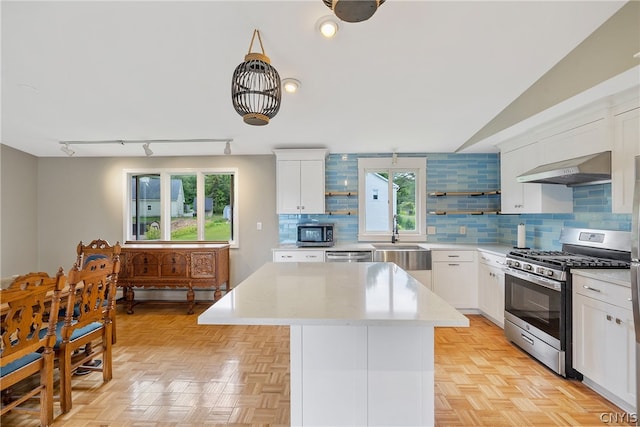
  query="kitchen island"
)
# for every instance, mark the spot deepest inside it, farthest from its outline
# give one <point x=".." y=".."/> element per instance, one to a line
<point x="361" y="338"/>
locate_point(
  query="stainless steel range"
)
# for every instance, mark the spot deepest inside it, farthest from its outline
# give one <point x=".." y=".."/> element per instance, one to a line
<point x="538" y="292"/>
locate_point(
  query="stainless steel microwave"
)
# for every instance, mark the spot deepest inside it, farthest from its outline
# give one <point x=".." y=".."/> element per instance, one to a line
<point x="315" y="234"/>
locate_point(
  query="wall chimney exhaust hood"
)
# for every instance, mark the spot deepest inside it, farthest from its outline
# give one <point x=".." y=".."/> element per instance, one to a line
<point x="591" y="169"/>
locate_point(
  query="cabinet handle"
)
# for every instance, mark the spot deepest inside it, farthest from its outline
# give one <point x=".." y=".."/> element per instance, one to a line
<point x="453" y="265"/>
<point x="609" y="317"/>
<point x="590" y="288"/>
<point x="618" y="321"/>
<point x="453" y="256"/>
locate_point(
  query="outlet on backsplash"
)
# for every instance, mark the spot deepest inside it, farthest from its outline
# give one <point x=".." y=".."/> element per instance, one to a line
<point x="463" y="229"/>
<point x="431" y="229"/>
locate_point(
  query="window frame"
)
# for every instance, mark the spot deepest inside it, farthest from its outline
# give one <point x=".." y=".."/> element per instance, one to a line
<point x="394" y="164"/>
<point x="165" y="203"/>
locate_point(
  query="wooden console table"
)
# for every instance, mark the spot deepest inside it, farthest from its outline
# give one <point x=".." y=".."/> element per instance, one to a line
<point x="174" y="266"/>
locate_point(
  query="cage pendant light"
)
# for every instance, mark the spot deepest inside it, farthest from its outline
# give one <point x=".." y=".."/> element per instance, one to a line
<point x="256" y="90"/>
<point x="353" y="10"/>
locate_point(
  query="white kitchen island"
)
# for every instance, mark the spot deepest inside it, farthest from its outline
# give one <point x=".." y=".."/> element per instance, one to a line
<point x="361" y="339"/>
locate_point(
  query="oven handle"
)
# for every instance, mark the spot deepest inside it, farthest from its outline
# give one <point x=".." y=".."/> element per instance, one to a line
<point x="554" y="285"/>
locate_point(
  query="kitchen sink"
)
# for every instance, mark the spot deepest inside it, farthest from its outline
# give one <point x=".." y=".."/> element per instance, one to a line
<point x="407" y="257"/>
<point x="397" y="247"/>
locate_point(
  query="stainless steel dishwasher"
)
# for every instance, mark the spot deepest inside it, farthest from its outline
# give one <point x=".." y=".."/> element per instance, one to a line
<point x="348" y="256"/>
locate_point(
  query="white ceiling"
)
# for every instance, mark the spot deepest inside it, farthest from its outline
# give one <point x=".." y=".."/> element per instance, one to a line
<point x="419" y="76"/>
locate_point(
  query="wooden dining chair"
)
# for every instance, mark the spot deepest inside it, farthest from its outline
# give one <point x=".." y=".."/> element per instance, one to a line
<point x="87" y="323"/>
<point x="29" y="315"/>
<point x="100" y="248"/>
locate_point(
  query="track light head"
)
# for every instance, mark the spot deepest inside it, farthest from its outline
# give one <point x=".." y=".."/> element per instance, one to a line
<point x="147" y="150"/>
<point x="227" y="148"/>
<point x="68" y="151"/>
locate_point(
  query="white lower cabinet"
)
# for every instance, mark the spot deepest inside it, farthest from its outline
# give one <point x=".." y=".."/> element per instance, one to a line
<point x="298" y="255"/>
<point x="455" y="277"/>
<point x="603" y="338"/>
<point x="491" y="287"/>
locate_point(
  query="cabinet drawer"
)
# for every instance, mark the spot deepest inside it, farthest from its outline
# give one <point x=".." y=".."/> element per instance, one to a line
<point x="174" y="264"/>
<point x="298" y="256"/>
<point x="453" y="256"/>
<point x="145" y="264"/>
<point x="600" y="290"/>
<point x="492" y="259"/>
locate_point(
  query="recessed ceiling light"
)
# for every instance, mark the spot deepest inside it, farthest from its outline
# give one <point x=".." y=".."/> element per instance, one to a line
<point x="290" y="85"/>
<point x="328" y="26"/>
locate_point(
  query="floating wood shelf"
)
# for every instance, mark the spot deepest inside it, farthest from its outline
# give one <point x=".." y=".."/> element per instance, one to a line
<point x="464" y="193"/>
<point x="341" y="193"/>
<point x="464" y="212"/>
<point x="350" y="212"/>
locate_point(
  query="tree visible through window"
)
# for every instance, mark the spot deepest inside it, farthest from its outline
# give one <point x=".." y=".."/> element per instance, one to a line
<point x="191" y="206"/>
<point x="392" y="193"/>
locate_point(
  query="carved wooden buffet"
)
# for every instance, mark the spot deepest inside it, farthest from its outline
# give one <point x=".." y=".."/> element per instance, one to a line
<point x="174" y="266"/>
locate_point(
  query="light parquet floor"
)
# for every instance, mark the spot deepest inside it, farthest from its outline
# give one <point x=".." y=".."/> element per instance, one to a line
<point x="483" y="380"/>
<point x="169" y="371"/>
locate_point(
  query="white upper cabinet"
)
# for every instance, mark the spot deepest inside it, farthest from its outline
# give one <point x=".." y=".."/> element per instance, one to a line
<point x="300" y="181"/>
<point x="528" y="197"/>
<point x="626" y="145"/>
<point x="611" y="124"/>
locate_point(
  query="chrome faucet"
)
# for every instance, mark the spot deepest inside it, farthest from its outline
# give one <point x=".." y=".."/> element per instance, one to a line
<point x="394" y="235"/>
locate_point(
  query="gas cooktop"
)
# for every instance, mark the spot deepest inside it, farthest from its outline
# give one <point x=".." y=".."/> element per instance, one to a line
<point x="562" y="260"/>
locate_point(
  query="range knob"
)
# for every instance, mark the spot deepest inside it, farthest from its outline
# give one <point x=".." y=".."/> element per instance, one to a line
<point x="528" y="267"/>
<point x="550" y="273"/>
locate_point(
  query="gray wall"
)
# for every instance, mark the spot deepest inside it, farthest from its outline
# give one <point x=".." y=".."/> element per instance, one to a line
<point x="73" y="199"/>
<point x="18" y="212"/>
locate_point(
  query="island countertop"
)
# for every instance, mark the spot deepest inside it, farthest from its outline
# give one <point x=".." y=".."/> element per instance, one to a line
<point x="374" y="293"/>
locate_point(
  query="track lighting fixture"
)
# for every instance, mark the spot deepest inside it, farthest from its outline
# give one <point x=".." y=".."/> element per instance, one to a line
<point x="147" y="150"/>
<point x="68" y="151"/>
<point x="146" y="143"/>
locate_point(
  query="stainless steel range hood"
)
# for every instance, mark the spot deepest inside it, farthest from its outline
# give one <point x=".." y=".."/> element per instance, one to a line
<point x="591" y="169"/>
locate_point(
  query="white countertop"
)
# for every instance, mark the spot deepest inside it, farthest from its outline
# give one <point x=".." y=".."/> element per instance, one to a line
<point x="496" y="248"/>
<point x="365" y="293"/>
<point x="620" y="277"/>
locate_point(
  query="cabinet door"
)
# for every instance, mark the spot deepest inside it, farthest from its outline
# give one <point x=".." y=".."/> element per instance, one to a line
<point x="530" y="197"/>
<point x="512" y="197"/>
<point x="456" y="283"/>
<point x="498" y="275"/>
<point x="288" y="186"/>
<point x="486" y="294"/>
<point x="626" y="145"/>
<point x="491" y="293"/>
<point x="575" y="141"/>
<point x="604" y="345"/>
<point x="312" y="187"/>
<point x="590" y="337"/>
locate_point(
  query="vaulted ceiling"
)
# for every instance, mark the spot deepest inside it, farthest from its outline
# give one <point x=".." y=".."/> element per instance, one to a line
<point x="419" y="76"/>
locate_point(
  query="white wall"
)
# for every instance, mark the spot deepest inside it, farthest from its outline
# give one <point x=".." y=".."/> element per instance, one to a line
<point x="81" y="199"/>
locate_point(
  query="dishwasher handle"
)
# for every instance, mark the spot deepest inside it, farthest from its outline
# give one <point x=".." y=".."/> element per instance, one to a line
<point x="349" y="256"/>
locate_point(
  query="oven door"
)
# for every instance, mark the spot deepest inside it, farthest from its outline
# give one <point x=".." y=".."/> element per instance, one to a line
<point x="535" y="301"/>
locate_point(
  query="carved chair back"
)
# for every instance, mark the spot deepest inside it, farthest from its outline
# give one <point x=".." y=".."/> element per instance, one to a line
<point x="91" y="294"/>
<point x="28" y="330"/>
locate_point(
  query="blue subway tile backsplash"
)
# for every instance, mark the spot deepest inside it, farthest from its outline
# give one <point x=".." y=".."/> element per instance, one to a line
<point x="453" y="172"/>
